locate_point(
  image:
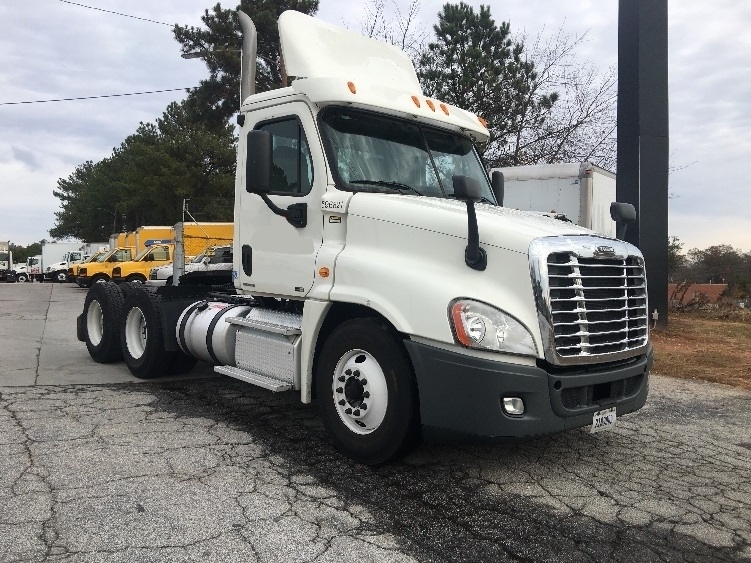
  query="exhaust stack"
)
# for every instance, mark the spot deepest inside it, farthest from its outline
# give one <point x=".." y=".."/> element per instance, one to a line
<point x="248" y="59"/>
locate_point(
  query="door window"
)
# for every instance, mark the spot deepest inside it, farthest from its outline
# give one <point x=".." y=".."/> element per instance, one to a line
<point x="292" y="171"/>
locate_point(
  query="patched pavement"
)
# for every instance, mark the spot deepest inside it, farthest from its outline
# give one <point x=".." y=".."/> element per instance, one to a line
<point x="213" y="469"/>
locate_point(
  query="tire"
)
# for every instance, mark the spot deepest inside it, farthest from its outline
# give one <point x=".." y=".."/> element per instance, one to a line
<point x="99" y="279"/>
<point x="61" y="277"/>
<point x="127" y="288"/>
<point x="142" y="339"/>
<point x="366" y="393"/>
<point x="102" y="311"/>
<point x="169" y="281"/>
<point x="136" y="278"/>
<point x="22" y="278"/>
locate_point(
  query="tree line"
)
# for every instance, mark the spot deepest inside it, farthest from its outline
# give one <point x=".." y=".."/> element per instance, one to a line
<point x="539" y="105"/>
<point x="715" y="264"/>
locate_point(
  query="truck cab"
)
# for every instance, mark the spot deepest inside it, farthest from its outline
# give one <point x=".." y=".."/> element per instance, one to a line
<point x="137" y="270"/>
<point x="376" y="274"/>
<point x="101" y="270"/>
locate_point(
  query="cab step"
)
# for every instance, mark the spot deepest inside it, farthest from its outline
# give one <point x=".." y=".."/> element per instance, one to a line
<point x="254" y="378"/>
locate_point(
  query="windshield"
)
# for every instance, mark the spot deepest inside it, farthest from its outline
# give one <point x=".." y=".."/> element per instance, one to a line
<point x="98" y="257"/>
<point x="141" y="254"/>
<point x="371" y="152"/>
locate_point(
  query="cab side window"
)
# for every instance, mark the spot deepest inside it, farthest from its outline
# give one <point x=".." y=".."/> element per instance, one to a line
<point x="292" y="171"/>
<point x="161" y="253"/>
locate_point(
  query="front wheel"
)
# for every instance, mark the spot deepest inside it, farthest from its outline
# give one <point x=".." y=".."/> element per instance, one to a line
<point x="136" y="279"/>
<point x="366" y="393"/>
<point x="61" y="277"/>
<point x="22" y="278"/>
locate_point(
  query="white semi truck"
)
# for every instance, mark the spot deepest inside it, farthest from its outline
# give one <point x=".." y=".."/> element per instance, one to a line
<point x="375" y="275"/>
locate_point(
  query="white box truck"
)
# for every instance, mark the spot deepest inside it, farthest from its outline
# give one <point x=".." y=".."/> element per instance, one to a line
<point x="375" y="274"/>
<point x="581" y="191"/>
<point x="55" y="259"/>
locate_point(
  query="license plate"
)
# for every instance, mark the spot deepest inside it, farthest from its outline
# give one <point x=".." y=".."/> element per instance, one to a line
<point x="603" y="420"/>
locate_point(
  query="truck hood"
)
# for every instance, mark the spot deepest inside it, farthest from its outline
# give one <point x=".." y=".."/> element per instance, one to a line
<point x="500" y="227"/>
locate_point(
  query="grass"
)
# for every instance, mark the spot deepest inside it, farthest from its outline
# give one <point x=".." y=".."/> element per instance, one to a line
<point x="710" y="346"/>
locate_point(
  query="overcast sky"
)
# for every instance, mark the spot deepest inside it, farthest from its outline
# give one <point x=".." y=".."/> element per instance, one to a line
<point x="51" y="49"/>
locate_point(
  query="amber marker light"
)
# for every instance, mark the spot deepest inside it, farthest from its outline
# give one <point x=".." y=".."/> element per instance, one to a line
<point x="323" y="272"/>
<point x="431" y="105"/>
<point x="461" y="334"/>
<point x="351" y="86"/>
<point x="482" y="121"/>
<point x="416" y="101"/>
<point x="445" y="108"/>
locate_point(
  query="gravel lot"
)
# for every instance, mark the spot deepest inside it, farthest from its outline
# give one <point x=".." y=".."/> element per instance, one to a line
<point x="98" y="466"/>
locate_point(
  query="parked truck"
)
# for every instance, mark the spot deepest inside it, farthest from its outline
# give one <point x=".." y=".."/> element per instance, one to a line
<point x="6" y="261"/>
<point x="73" y="269"/>
<point x="100" y="271"/>
<point x="125" y="247"/>
<point x="55" y="256"/>
<point x="196" y="238"/>
<point x="580" y="192"/>
<point x="376" y="275"/>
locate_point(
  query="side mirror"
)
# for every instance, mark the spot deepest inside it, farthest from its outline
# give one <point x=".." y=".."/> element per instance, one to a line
<point x="497" y="185"/>
<point x="622" y="214"/>
<point x="258" y="162"/>
<point x="467" y="188"/>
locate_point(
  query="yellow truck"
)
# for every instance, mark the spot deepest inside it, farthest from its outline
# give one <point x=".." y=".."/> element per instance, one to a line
<point x="74" y="268"/>
<point x="137" y="270"/>
<point x="194" y="237"/>
<point x="125" y="246"/>
<point x="101" y="270"/>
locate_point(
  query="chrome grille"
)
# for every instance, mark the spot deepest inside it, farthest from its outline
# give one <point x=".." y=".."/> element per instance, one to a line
<point x="592" y="298"/>
<point x="599" y="305"/>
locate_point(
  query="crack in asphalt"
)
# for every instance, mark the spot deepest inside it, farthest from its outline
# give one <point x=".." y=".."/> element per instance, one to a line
<point x="216" y="470"/>
<point x="41" y="340"/>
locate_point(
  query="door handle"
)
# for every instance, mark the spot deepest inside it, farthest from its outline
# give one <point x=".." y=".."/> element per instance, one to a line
<point x="247" y="259"/>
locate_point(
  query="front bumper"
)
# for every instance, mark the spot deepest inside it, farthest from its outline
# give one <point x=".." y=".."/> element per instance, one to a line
<point x="462" y="395"/>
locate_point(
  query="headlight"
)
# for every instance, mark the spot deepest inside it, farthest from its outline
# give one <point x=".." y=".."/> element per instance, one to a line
<point x="477" y="325"/>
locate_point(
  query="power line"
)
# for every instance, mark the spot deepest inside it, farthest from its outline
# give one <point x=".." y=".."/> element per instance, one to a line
<point x="116" y="13"/>
<point x="92" y="97"/>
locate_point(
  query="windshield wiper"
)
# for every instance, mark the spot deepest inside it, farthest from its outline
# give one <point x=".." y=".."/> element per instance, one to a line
<point x="389" y="184"/>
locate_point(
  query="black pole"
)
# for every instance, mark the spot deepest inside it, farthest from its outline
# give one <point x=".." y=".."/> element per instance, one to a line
<point x="643" y="165"/>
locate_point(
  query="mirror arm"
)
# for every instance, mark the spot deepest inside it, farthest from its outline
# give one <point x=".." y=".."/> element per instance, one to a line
<point x="296" y="214"/>
<point x="474" y="255"/>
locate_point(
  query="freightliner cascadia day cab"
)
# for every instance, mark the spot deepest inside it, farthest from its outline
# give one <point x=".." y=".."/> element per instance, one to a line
<point x="376" y="275"/>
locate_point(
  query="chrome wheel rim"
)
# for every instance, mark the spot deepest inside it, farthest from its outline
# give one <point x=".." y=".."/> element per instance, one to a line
<point x="360" y="392"/>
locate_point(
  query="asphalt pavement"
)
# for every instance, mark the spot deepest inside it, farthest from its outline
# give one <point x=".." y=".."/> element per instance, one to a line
<point x="96" y="465"/>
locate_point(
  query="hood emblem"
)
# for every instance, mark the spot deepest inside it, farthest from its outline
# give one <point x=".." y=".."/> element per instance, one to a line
<point x="604" y="251"/>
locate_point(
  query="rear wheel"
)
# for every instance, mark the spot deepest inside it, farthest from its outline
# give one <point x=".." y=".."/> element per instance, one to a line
<point x="102" y="311"/>
<point x="142" y="339"/>
<point x="23" y="278"/>
<point x="366" y="393"/>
